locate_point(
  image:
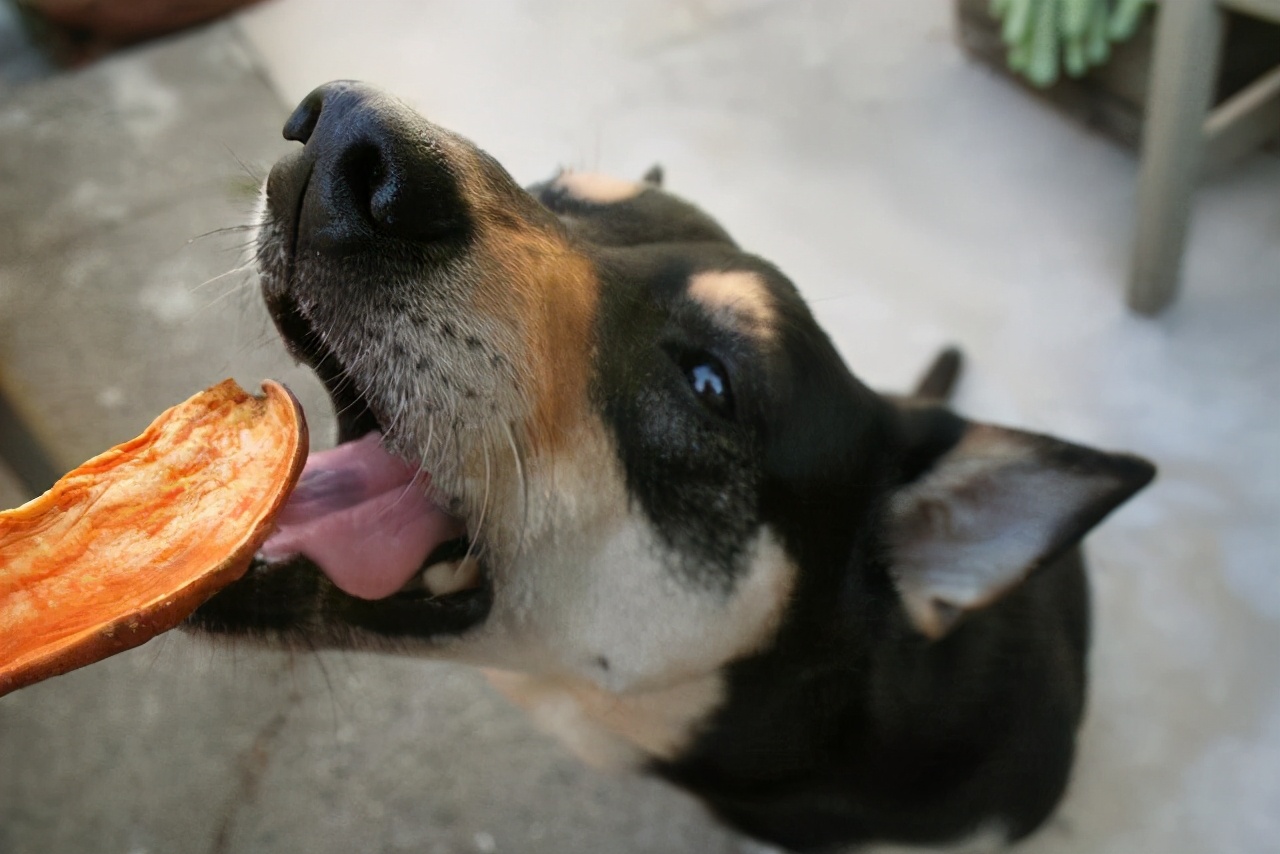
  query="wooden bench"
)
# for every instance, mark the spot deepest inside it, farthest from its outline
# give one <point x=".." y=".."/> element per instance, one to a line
<point x="1181" y="133"/>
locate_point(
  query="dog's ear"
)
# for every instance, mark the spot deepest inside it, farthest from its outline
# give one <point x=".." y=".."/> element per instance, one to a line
<point x="985" y="506"/>
<point x="654" y="176"/>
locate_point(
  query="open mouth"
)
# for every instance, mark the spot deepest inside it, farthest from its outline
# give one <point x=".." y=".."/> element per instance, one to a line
<point x="364" y="517"/>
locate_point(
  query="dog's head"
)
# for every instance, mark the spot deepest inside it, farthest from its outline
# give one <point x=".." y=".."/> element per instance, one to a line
<point x="586" y="437"/>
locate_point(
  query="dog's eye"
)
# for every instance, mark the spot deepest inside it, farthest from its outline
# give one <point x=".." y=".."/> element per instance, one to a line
<point x="710" y="383"/>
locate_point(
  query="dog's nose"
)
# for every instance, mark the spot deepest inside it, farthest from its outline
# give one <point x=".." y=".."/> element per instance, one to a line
<point x="376" y="170"/>
<point x="299" y="126"/>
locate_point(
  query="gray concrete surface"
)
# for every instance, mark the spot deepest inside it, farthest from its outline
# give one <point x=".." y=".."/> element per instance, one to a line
<point x="914" y="198"/>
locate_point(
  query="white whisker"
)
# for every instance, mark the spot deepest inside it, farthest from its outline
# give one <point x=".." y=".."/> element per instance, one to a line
<point x="238" y="290"/>
<point x="233" y="271"/>
<point x="413" y="482"/>
<point x="524" y="488"/>
<point x="229" y="229"/>
<point x="401" y="407"/>
<point x="431" y="431"/>
<point x="474" y="536"/>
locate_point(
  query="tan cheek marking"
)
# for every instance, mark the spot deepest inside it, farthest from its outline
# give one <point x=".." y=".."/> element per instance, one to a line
<point x="738" y="299"/>
<point x="548" y="292"/>
<point x="602" y="189"/>
<point x="766" y="594"/>
<point x="611" y="730"/>
<point x="537" y="285"/>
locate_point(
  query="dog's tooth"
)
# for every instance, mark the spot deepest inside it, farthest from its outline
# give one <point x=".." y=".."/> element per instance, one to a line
<point x="452" y="576"/>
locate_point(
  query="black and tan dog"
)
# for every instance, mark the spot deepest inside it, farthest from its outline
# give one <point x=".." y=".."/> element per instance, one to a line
<point x="590" y="444"/>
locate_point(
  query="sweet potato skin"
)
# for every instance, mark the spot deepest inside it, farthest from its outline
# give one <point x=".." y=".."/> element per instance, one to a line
<point x="128" y="544"/>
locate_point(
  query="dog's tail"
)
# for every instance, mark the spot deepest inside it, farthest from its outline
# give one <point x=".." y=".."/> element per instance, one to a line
<point x="940" y="380"/>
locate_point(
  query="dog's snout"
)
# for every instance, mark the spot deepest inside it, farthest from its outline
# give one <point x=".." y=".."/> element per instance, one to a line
<point x="377" y="170"/>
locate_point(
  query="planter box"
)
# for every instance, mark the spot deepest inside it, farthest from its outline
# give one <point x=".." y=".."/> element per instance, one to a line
<point x="1111" y="98"/>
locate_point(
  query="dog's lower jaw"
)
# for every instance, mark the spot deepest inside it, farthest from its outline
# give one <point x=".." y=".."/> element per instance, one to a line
<point x="292" y="605"/>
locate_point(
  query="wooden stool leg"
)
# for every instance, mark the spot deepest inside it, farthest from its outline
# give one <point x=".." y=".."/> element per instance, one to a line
<point x="1188" y="41"/>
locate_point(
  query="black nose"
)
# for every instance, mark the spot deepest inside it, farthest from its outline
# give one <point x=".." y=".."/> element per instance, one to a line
<point x="376" y="170"/>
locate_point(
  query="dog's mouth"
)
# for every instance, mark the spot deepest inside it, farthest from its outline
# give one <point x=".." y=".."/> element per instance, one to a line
<point x="363" y="552"/>
<point x="364" y="517"/>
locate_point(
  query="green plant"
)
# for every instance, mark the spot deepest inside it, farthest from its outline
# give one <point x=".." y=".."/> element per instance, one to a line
<point x="1046" y="36"/>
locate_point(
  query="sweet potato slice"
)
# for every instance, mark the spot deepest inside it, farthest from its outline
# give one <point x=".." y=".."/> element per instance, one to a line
<point x="130" y="543"/>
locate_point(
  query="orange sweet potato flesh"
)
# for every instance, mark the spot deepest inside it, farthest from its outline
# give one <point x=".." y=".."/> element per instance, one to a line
<point x="129" y="544"/>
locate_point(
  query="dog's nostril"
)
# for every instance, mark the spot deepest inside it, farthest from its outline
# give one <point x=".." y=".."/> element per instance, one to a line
<point x="364" y="174"/>
<point x="420" y="203"/>
<point x="303" y="121"/>
<point x="402" y="194"/>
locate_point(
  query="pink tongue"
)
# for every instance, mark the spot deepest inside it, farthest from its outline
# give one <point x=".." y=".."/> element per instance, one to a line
<point x="359" y="514"/>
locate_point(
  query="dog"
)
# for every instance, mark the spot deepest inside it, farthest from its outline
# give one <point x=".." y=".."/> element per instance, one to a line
<point x="589" y="444"/>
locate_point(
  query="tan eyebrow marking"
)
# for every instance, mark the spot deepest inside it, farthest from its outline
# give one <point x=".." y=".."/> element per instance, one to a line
<point x="739" y="299"/>
<point x="594" y="187"/>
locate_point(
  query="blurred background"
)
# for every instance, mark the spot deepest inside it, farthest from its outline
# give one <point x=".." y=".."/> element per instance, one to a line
<point x="884" y="154"/>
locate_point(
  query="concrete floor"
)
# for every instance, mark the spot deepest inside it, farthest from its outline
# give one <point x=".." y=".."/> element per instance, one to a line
<point x="915" y="198"/>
